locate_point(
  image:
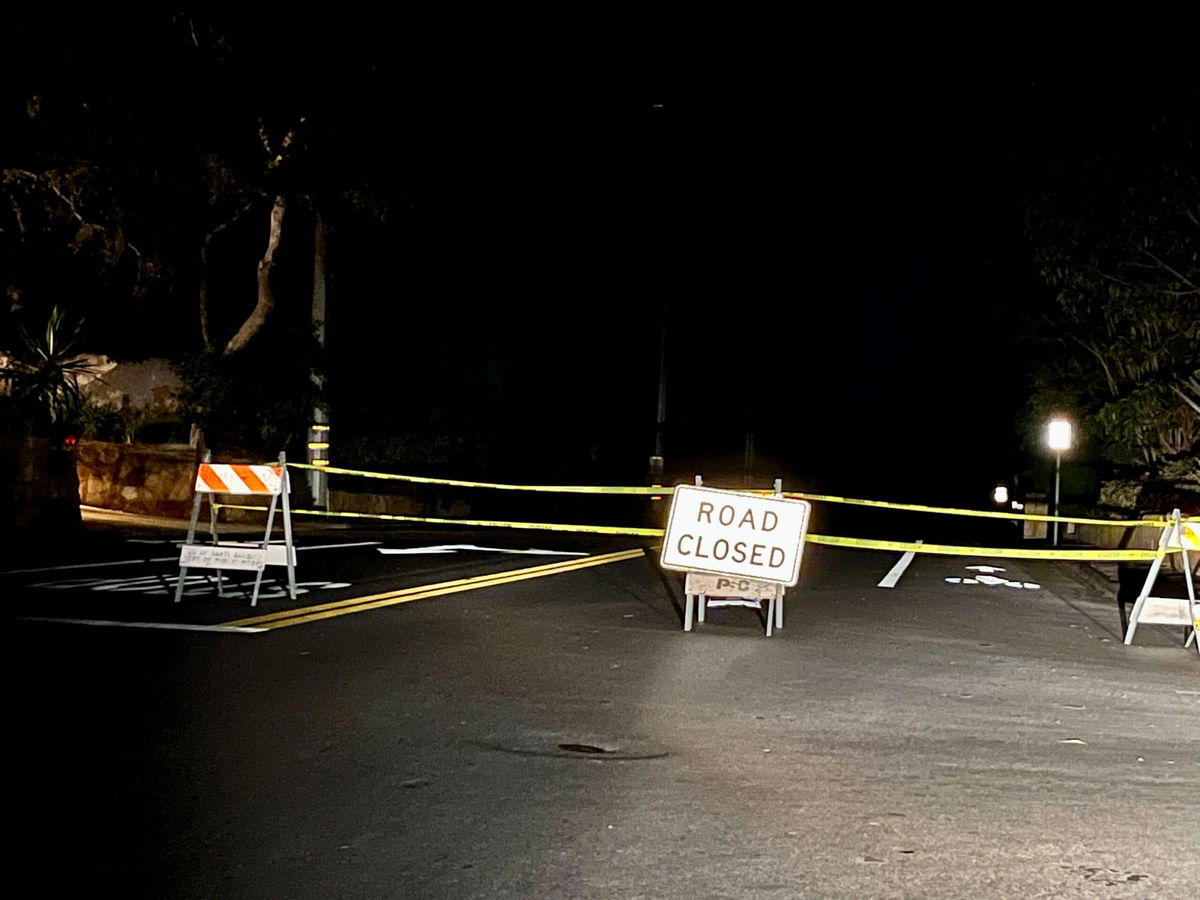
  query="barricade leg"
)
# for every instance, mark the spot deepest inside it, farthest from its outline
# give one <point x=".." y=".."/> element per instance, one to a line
<point x="266" y="542"/>
<point x="191" y="536"/>
<point x="1148" y="584"/>
<point x="213" y="513"/>
<point x="1193" y="609"/>
<point x="287" y="528"/>
<point x="688" y="606"/>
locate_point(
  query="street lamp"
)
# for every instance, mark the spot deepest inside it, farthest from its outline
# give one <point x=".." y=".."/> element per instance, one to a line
<point x="1058" y="437"/>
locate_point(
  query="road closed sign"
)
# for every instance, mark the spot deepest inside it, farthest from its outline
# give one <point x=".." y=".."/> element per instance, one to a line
<point x="730" y="533"/>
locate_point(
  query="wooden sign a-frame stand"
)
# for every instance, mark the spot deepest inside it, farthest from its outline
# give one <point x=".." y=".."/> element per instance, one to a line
<point x="1182" y="611"/>
<point x="242" y="480"/>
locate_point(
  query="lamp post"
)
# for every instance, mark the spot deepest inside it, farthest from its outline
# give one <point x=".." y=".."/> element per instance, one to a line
<point x="1058" y="437"/>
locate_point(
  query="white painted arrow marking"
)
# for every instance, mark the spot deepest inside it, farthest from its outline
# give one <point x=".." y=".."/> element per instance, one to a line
<point x="992" y="581"/>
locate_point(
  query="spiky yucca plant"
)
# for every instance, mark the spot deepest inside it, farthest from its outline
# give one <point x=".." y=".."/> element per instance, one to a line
<point x="44" y="371"/>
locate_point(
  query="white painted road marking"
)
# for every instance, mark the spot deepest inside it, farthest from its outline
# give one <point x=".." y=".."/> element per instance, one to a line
<point x="890" y="579"/>
<point x="992" y="580"/>
<point x="195" y="585"/>
<point x="454" y="548"/>
<point x="168" y="626"/>
<point x="158" y="559"/>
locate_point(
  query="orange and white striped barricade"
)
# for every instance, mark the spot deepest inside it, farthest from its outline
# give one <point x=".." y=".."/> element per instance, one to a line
<point x="240" y="480"/>
<point x="1185" y="611"/>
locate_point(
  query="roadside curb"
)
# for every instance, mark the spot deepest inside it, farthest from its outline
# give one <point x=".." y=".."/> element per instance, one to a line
<point x="1096" y="579"/>
<point x="1094" y="576"/>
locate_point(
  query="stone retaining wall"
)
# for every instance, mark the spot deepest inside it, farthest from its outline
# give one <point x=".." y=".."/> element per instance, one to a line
<point x="138" y="478"/>
<point x="157" y="480"/>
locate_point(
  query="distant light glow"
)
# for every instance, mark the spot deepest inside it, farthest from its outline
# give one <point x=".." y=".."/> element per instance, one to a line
<point x="1017" y="505"/>
<point x="1058" y="435"/>
<point x="1000" y="494"/>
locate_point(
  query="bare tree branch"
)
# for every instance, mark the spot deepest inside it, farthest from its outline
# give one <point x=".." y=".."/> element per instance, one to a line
<point x="1190" y="401"/>
<point x="266" y="295"/>
<point x="1108" y="376"/>
<point x="1166" y="267"/>
<point x="50" y="180"/>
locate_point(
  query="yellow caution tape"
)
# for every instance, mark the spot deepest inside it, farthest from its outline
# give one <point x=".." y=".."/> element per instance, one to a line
<point x="980" y="513"/>
<point x="998" y="552"/>
<point x="1096" y="555"/>
<point x="479" y="523"/>
<point x="665" y="490"/>
<point x="561" y="489"/>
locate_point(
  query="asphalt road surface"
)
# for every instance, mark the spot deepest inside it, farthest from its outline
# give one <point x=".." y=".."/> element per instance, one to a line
<point x="478" y="723"/>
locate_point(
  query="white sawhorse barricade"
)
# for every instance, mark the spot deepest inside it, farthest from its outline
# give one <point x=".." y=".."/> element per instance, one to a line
<point x="1182" y="611"/>
<point x="242" y="480"/>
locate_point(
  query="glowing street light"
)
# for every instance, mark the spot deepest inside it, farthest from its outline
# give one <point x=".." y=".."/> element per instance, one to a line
<point x="1058" y="438"/>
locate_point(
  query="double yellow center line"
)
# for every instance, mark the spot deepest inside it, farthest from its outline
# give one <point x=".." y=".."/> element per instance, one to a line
<point x="305" y="614"/>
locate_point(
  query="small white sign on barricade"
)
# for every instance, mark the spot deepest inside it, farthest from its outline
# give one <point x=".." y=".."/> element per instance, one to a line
<point x="218" y="556"/>
<point x="250" y="557"/>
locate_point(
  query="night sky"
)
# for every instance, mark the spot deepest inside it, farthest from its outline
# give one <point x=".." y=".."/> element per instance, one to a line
<point x="830" y="217"/>
<point x="835" y="234"/>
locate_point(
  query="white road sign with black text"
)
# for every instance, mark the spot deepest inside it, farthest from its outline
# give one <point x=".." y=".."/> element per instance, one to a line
<point x="731" y="533"/>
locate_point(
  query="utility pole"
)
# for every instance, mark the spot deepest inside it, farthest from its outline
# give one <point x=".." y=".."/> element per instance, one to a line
<point x="318" y="433"/>
<point x="656" y="461"/>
